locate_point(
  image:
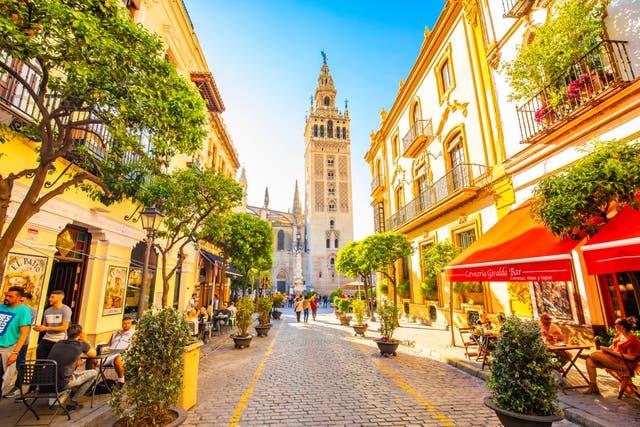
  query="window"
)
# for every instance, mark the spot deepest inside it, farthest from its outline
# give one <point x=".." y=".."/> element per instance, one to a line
<point x="466" y="238"/>
<point x="330" y="163"/>
<point x="332" y="206"/>
<point x="344" y="133"/>
<point x="315" y="130"/>
<point x="332" y="262"/>
<point x="399" y="198"/>
<point x="332" y="223"/>
<point x="445" y="76"/>
<point x="328" y="243"/>
<point x="395" y="146"/>
<point x="280" y="240"/>
<point x="331" y="190"/>
<point x="330" y="129"/>
<point x="415" y="114"/>
<point x="457" y="160"/>
<point x="378" y="218"/>
<point x="335" y="244"/>
<point x="338" y="132"/>
<point x="331" y="175"/>
<point x="327" y="101"/>
<point x="321" y="131"/>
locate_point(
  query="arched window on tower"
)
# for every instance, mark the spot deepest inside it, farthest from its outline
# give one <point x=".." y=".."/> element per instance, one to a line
<point x="327" y="101"/>
<point x="344" y="133"/>
<point x="328" y="243"/>
<point x="338" y="132"/>
<point x="321" y="131"/>
<point x="315" y="130"/>
<point x="330" y="129"/>
<point x="336" y="244"/>
<point x="332" y="223"/>
<point x="280" y="240"/>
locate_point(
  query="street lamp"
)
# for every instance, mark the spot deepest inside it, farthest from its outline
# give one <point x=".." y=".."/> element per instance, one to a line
<point x="298" y="242"/>
<point x="151" y="218"/>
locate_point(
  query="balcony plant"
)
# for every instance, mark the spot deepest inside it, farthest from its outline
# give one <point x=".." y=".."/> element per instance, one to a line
<point x="161" y="339"/>
<point x="358" y="307"/>
<point x="572" y="30"/>
<point x="244" y="319"/>
<point x="521" y="379"/>
<point x="388" y="323"/>
<point x="263" y="308"/>
<point x="278" y="302"/>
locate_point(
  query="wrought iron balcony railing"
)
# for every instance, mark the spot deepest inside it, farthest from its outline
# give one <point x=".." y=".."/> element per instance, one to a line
<point x="461" y="177"/>
<point x="516" y="8"/>
<point x="591" y="79"/>
<point x="418" y="134"/>
<point x="376" y="183"/>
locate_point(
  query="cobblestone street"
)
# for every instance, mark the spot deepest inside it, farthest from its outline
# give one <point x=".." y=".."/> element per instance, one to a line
<point x="321" y="375"/>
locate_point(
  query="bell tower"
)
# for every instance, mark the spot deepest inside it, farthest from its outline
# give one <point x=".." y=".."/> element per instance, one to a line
<point x="328" y="199"/>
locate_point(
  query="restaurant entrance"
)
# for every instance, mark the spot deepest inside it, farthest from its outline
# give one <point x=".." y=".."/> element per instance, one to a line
<point x="620" y="295"/>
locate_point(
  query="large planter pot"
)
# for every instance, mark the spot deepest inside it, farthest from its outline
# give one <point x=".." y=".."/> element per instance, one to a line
<point x="345" y="320"/>
<point x="263" y="330"/>
<point x="514" y="419"/>
<point x="107" y="418"/>
<point x="242" y="342"/>
<point x="360" y="329"/>
<point x="388" y="348"/>
<point x="276" y="314"/>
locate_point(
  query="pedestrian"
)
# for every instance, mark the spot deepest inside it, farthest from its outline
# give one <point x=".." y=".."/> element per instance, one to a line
<point x="314" y="306"/>
<point x="306" y="306"/>
<point x="55" y="323"/>
<point x="15" y="321"/>
<point x="297" y="306"/>
<point x="27" y="298"/>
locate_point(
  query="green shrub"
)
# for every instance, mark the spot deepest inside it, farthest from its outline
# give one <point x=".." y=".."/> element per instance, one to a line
<point x="358" y="310"/>
<point x="429" y="287"/>
<point x="154" y="368"/>
<point x="343" y="305"/>
<point x="278" y="300"/>
<point x="334" y="294"/>
<point x="521" y="376"/>
<point x="388" y="320"/>
<point x="404" y="289"/>
<point x="244" y="315"/>
<point x="263" y="308"/>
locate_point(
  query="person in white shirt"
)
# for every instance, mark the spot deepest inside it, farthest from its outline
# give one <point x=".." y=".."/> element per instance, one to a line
<point x="120" y="342"/>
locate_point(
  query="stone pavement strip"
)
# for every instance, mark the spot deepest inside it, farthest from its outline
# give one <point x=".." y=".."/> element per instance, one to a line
<point x="320" y="374"/>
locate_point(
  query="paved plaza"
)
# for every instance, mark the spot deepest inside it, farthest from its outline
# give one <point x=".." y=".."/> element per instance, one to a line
<point x="320" y="374"/>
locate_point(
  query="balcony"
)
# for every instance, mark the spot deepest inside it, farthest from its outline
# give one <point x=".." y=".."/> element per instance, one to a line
<point x="459" y="185"/>
<point x="377" y="184"/>
<point x="599" y="74"/>
<point x="418" y="136"/>
<point x="516" y="8"/>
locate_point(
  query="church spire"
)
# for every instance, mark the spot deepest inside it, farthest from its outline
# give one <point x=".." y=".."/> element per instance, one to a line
<point x="297" y="207"/>
<point x="266" y="198"/>
<point x="245" y="187"/>
<point x="325" y="91"/>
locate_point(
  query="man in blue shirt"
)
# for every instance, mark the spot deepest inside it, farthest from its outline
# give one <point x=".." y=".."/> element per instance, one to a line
<point x="15" y="321"/>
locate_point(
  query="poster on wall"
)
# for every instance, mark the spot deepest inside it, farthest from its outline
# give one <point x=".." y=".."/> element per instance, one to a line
<point x="553" y="298"/>
<point x="114" y="293"/>
<point x="27" y="271"/>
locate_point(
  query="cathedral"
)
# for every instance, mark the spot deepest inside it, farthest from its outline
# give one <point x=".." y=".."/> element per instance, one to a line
<point x="306" y="244"/>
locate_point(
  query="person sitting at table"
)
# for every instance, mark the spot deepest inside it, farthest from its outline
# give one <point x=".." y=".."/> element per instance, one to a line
<point x="221" y="316"/>
<point x="623" y="353"/>
<point x="483" y="321"/>
<point x="119" y="343"/>
<point x="550" y="333"/>
<point x="67" y="354"/>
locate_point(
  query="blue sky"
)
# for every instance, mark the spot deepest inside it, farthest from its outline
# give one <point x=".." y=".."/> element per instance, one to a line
<point x="265" y="58"/>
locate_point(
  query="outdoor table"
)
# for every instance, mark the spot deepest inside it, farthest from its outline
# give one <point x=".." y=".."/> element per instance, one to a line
<point x="560" y="348"/>
<point x="100" y="358"/>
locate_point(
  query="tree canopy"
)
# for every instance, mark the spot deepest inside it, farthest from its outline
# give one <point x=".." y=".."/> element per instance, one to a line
<point x="244" y="240"/>
<point x="98" y="94"/>
<point x="578" y="201"/>
<point x="188" y="198"/>
<point x="383" y="250"/>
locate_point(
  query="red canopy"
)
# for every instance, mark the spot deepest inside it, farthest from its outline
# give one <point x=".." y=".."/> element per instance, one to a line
<point x="516" y="249"/>
<point x="616" y="247"/>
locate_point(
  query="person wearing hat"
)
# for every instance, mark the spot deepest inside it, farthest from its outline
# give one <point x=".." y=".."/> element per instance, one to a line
<point x="550" y="333"/>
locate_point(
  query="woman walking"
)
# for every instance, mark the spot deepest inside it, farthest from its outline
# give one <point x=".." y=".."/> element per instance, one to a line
<point x="314" y="306"/>
<point x="297" y="306"/>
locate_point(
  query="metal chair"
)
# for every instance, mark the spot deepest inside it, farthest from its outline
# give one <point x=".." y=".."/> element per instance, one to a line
<point x="469" y="341"/>
<point x="41" y="378"/>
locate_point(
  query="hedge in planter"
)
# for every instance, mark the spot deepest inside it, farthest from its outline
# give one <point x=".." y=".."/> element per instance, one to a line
<point x="154" y="366"/>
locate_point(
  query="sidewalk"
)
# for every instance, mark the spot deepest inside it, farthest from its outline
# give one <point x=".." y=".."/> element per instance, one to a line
<point x="588" y="410"/>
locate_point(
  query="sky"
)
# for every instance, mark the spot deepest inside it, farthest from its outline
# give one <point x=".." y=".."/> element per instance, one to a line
<point x="265" y="56"/>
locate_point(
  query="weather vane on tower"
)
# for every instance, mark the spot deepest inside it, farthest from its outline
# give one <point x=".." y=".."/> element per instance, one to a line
<point x="324" y="57"/>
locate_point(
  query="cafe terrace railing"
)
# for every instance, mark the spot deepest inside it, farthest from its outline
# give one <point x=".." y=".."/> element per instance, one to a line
<point x="420" y="131"/>
<point x="587" y="82"/>
<point x="20" y="108"/>
<point x="463" y="176"/>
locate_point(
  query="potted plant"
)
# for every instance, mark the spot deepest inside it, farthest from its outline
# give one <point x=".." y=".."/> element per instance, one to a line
<point x="344" y="304"/>
<point x="244" y="319"/>
<point x="358" y="307"/>
<point x="388" y="322"/>
<point x="336" y="305"/>
<point x="161" y="339"/>
<point x="278" y="302"/>
<point x="263" y="308"/>
<point x="524" y="389"/>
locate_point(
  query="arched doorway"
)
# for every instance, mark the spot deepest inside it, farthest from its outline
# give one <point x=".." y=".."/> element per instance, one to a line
<point x="69" y="266"/>
<point x="135" y="278"/>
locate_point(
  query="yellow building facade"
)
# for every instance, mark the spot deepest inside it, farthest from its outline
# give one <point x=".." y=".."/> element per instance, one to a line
<point x="94" y="252"/>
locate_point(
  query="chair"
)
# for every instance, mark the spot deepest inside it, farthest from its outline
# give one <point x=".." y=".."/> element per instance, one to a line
<point x="625" y="376"/>
<point x="41" y="377"/>
<point x="469" y="341"/>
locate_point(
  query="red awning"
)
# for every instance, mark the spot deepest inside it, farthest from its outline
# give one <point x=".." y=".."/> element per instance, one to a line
<point x="516" y="249"/>
<point x="616" y="247"/>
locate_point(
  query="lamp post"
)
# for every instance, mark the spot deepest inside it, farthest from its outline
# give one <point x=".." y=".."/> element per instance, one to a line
<point x="151" y="218"/>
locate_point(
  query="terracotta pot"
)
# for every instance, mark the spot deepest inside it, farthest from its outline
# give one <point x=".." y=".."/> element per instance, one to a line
<point x="388" y="348"/>
<point x="360" y="329"/>
<point x="263" y="330"/>
<point x="514" y="419"/>
<point x="345" y="320"/>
